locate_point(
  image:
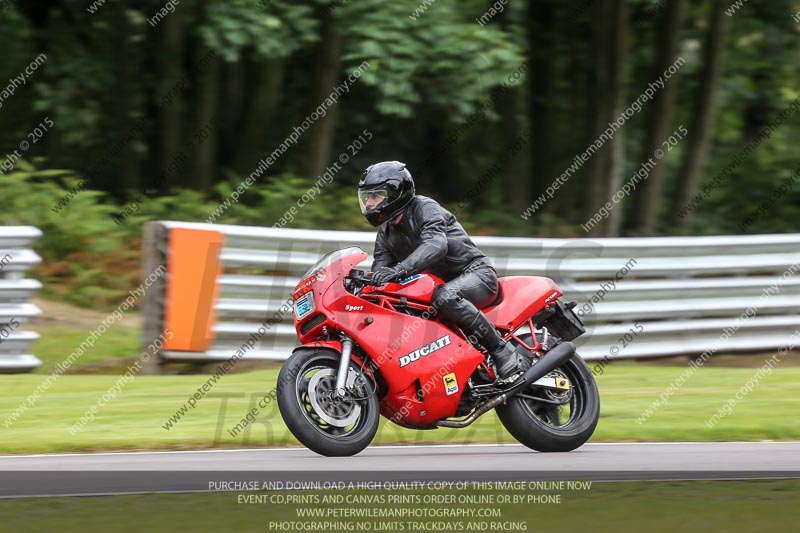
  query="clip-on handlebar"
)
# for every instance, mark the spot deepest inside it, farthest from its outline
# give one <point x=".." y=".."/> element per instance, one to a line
<point x="357" y="279"/>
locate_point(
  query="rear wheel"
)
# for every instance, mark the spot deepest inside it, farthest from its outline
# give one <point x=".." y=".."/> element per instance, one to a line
<point x="317" y="419"/>
<point x="555" y="421"/>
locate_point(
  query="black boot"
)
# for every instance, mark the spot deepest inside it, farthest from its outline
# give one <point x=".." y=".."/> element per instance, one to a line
<point x="510" y="360"/>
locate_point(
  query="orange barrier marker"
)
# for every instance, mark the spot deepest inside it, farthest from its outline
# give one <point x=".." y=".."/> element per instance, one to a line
<point x="193" y="266"/>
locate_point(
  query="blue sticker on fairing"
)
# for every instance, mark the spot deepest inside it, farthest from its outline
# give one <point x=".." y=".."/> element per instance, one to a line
<point x="410" y="279"/>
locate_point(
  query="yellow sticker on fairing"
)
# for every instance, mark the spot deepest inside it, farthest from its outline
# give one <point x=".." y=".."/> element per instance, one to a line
<point x="450" y="383"/>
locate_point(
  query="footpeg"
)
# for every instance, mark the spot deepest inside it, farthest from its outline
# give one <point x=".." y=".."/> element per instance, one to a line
<point x="505" y="382"/>
<point x="513" y="378"/>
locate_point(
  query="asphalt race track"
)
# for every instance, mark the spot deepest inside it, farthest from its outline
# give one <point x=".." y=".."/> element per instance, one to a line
<point x="137" y="472"/>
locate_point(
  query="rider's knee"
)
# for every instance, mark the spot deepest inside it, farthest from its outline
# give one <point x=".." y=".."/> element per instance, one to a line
<point x="445" y="301"/>
<point x="442" y="295"/>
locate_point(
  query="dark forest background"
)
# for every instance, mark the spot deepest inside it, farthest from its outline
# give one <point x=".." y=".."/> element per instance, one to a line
<point x="178" y="112"/>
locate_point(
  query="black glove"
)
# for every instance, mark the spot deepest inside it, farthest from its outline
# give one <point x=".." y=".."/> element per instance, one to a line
<point x="387" y="274"/>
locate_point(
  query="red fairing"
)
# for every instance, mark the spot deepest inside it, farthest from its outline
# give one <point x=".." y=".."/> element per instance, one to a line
<point x="418" y="358"/>
<point x="317" y="283"/>
<point x="523" y="296"/>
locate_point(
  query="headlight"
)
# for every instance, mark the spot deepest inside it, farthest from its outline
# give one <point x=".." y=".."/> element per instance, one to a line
<point x="304" y="305"/>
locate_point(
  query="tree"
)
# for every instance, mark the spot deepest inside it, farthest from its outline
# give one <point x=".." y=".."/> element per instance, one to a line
<point x="125" y="162"/>
<point x="168" y="149"/>
<point x="204" y="167"/>
<point x="437" y="69"/>
<point x="662" y="110"/>
<point x="608" y="164"/>
<point x="700" y="134"/>
<point x="542" y="37"/>
<point x="517" y="191"/>
<point x="325" y="74"/>
<point x="255" y="38"/>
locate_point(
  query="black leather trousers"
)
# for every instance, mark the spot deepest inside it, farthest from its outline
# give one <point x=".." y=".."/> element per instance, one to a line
<point x="459" y="301"/>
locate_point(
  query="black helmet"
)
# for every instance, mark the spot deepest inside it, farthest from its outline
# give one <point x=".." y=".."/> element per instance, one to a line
<point x="390" y="181"/>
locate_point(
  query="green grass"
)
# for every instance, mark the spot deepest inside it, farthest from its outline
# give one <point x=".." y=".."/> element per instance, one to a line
<point x="63" y="328"/>
<point x="655" y="507"/>
<point x="116" y="345"/>
<point x="135" y="419"/>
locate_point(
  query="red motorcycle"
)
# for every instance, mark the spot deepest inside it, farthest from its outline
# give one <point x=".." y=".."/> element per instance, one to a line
<point x="369" y="351"/>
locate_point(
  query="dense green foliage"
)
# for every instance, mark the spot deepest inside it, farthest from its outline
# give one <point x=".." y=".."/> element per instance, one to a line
<point x="91" y="259"/>
<point x="178" y="107"/>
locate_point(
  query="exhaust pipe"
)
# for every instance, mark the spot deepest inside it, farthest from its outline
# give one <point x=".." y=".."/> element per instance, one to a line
<point x="545" y="364"/>
<point x="488" y="406"/>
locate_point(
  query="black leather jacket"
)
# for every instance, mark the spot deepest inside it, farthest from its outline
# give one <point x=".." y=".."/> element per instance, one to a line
<point x="428" y="238"/>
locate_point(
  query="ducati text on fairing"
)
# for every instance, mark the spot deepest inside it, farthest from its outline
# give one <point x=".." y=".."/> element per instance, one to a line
<point x="424" y="350"/>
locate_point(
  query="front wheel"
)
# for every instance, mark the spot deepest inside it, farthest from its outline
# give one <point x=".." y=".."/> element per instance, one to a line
<point x="550" y="421"/>
<point x="324" y="424"/>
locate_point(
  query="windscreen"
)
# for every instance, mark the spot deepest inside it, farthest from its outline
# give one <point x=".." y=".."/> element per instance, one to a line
<point x="330" y="258"/>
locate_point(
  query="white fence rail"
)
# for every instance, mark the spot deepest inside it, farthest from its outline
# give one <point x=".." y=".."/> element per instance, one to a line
<point x="16" y="257"/>
<point x="678" y="294"/>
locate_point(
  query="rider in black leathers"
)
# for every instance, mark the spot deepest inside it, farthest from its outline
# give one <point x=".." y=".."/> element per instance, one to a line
<point x="417" y="234"/>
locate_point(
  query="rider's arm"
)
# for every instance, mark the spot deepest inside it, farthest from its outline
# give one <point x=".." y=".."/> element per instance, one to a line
<point x="383" y="258"/>
<point x="433" y="234"/>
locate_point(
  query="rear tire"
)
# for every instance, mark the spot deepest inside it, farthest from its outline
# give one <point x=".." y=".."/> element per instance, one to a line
<point x="322" y="425"/>
<point x="548" y="428"/>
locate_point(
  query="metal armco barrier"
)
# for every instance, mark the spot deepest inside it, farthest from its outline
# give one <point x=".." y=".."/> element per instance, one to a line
<point x="671" y="295"/>
<point x="16" y="257"/>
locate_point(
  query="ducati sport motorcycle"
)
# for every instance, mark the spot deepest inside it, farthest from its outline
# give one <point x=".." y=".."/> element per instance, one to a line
<point x="368" y="351"/>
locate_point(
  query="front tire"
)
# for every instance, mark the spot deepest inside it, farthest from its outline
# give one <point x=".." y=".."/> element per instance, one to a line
<point x="325" y="426"/>
<point x="555" y="428"/>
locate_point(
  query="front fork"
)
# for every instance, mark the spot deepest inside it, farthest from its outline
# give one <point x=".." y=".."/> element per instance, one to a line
<point x="344" y="363"/>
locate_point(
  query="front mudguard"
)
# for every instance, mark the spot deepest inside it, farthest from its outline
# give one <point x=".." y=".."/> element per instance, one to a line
<point x="336" y="346"/>
<point x="333" y="345"/>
